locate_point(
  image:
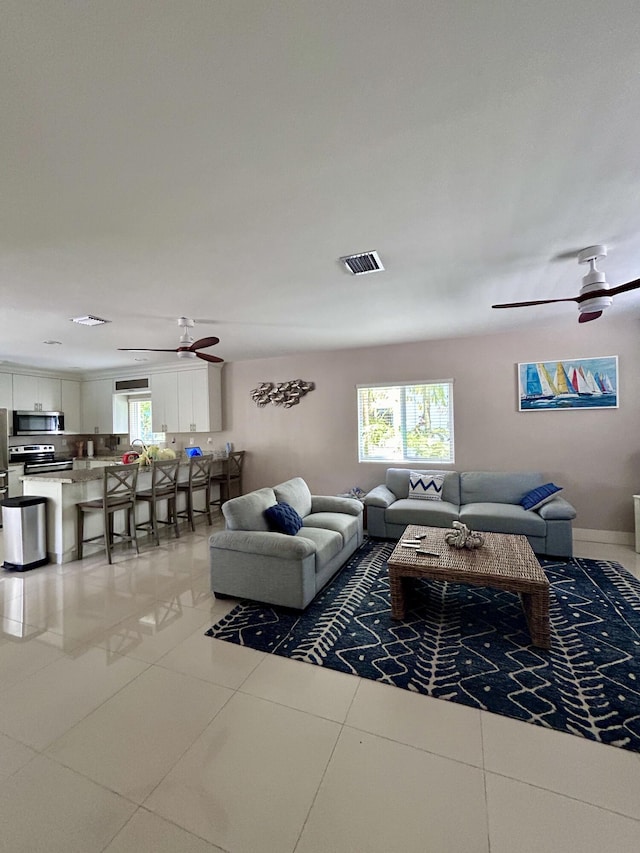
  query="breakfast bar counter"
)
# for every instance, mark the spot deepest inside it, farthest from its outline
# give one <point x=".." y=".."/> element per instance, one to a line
<point x="65" y="489"/>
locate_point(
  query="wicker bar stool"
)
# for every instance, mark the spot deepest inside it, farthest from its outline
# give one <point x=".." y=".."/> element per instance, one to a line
<point x="230" y="481"/>
<point x="118" y="493"/>
<point x="164" y="487"/>
<point x="199" y="480"/>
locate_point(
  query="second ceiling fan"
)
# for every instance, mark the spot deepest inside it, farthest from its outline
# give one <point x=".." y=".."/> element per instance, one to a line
<point x="595" y="294"/>
<point x="188" y="348"/>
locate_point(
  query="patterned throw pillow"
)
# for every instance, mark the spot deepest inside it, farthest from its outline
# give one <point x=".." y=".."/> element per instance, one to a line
<point x="283" y="518"/>
<point x="540" y="496"/>
<point x="425" y="487"/>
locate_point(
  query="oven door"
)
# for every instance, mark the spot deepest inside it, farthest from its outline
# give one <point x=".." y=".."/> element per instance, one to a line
<point x="48" y="467"/>
<point x="37" y="423"/>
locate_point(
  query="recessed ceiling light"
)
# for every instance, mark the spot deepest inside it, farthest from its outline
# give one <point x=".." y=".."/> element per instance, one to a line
<point x="89" y="320"/>
<point x="51" y="343"/>
<point x="362" y="263"/>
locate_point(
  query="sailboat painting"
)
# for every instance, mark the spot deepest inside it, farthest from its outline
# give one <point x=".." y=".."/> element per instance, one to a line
<point x="578" y="383"/>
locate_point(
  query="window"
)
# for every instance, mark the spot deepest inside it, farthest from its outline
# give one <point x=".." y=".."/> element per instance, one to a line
<point x="140" y="421"/>
<point x="406" y="423"/>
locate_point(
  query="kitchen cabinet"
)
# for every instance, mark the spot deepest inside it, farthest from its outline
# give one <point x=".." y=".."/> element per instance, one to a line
<point x="199" y="400"/>
<point x="70" y="403"/>
<point x="15" y="486"/>
<point x="164" y="402"/>
<point x="97" y="406"/>
<point x="6" y="391"/>
<point x="36" y="393"/>
<point x="187" y="400"/>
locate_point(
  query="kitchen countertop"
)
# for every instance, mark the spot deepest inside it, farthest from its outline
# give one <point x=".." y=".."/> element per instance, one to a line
<point x="86" y="475"/>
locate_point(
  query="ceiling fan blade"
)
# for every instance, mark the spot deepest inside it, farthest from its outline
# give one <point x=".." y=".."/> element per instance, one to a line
<point x="536" y="302"/>
<point x="589" y="315"/>
<point x="205" y="357"/>
<point x="204" y="342"/>
<point x="144" y="349"/>
<point x="623" y="288"/>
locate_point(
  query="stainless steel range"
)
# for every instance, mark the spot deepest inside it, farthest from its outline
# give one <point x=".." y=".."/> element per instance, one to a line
<point x="40" y="458"/>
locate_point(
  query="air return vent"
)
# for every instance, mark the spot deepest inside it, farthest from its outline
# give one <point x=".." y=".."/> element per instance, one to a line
<point x="132" y="384"/>
<point x="362" y="263"/>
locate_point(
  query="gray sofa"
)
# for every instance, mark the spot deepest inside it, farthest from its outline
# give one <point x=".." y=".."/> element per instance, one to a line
<point x="483" y="500"/>
<point x="248" y="560"/>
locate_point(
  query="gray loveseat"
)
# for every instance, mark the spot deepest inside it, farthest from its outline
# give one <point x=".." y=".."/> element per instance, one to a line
<point x="483" y="500"/>
<point x="248" y="560"/>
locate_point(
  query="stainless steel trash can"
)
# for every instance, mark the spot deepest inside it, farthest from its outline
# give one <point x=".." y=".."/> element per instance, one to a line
<point x="25" y="532"/>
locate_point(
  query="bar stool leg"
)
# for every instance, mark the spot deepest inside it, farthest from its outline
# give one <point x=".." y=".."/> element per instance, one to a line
<point x="107" y="518"/>
<point x="80" y="532"/>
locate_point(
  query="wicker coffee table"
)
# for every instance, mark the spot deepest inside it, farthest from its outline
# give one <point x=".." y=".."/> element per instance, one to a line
<point x="503" y="562"/>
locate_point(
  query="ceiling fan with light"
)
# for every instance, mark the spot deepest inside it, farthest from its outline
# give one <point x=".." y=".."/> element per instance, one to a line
<point x="188" y="347"/>
<point x="595" y="294"/>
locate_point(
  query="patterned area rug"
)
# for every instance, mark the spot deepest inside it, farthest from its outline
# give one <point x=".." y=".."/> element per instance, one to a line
<point x="471" y="645"/>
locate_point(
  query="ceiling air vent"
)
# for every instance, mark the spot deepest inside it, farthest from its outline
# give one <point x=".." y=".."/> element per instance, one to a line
<point x="89" y="320"/>
<point x="362" y="263"/>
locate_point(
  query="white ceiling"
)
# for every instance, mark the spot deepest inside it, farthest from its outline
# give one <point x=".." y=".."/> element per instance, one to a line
<point x="214" y="159"/>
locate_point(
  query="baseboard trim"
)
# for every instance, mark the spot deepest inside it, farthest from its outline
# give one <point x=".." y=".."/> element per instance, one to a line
<point x="605" y="537"/>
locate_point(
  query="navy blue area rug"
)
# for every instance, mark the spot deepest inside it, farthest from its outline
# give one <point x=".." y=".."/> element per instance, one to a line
<point x="471" y="645"/>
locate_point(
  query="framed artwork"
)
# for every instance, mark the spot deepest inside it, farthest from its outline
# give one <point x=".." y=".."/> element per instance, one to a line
<point x="578" y="383"/>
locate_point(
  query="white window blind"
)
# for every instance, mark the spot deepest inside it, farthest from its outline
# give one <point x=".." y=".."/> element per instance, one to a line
<point x="408" y="422"/>
<point x="140" y="425"/>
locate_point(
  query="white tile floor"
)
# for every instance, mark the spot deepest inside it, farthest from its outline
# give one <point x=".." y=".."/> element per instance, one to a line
<point x="124" y="729"/>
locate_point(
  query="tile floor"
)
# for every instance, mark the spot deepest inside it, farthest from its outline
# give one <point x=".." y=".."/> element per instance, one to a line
<point x="124" y="729"/>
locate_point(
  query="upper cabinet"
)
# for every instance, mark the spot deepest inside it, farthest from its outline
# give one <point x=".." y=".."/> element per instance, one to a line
<point x="187" y="400"/>
<point x="6" y="391"/>
<point x="70" y="402"/>
<point x="36" y="393"/>
<point x="164" y="401"/>
<point x="97" y="406"/>
<point x="199" y="400"/>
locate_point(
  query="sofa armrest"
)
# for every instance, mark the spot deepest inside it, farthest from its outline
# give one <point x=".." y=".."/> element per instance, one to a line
<point x="332" y="503"/>
<point x="380" y="496"/>
<point x="269" y="544"/>
<point x="557" y="510"/>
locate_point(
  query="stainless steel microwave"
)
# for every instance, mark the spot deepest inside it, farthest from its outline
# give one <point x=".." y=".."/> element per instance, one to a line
<point x="37" y="423"/>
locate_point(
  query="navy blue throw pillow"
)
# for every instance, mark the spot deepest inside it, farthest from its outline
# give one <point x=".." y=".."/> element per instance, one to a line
<point x="540" y="496"/>
<point x="283" y="518"/>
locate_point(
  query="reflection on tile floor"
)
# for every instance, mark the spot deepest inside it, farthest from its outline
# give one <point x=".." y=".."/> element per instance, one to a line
<point x="123" y="728"/>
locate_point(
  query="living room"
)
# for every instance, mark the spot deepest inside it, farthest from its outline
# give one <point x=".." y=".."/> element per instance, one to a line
<point x="174" y="159"/>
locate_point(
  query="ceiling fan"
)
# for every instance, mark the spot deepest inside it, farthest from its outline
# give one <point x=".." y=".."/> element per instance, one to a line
<point x="188" y="347"/>
<point x="595" y="294"/>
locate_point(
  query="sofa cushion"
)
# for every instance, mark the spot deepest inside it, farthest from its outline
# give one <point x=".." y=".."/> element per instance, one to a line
<point x="296" y="493"/>
<point x="283" y="518"/>
<point x="427" y="513"/>
<point x="247" y="511"/>
<point x="328" y="543"/>
<point x="425" y="487"/>
<point x="397" y="481"/>
<point x="496" y="487"/>
<point x="346" y="525"/>
<point x="539" y="497"/>
<point x="502" y="518"/>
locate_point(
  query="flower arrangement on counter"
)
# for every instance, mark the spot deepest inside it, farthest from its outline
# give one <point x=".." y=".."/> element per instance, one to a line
<point x="154" y="452"/>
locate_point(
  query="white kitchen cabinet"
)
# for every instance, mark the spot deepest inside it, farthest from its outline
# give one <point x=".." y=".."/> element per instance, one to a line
<point x="199" y="400"/>
<point x="36" y="393"/>
<point x="6" y="391"/>
<point x="97" y="406"/>
<point x="14" y="483"/>
<point x="70" y="403"/>
<point x="164" y="402"/>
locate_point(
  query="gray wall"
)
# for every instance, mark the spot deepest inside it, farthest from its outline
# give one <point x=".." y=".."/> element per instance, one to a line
<point x="594" y="455"/>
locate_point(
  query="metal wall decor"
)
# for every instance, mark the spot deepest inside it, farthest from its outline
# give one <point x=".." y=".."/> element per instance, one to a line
<point x="284" y="394"/>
